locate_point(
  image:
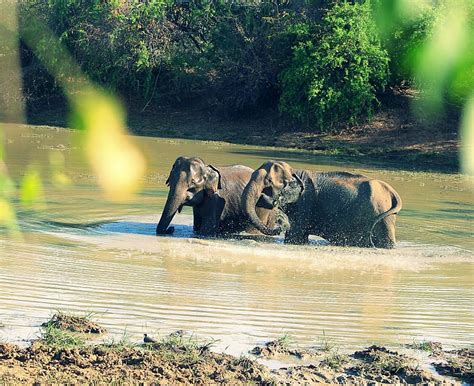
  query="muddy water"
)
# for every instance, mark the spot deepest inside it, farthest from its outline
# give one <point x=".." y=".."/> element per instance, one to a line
<point x="82" y="253"/>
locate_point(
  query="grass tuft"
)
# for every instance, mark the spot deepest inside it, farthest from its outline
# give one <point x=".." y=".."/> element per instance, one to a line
<point x="334" y="360"/>
<point x="425" y="345"/>
<point x="184" y="349"/>
<point x="56" y="337"/>
<point x="120" y="344"/>
<point x="285" y="341"/>
<point x="326" y="344"/>
<point x="244" y="362"/>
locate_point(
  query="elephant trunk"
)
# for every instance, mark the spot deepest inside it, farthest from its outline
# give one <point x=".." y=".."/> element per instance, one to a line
<point x="173" y="203"/>
<point x="250" y="196"/>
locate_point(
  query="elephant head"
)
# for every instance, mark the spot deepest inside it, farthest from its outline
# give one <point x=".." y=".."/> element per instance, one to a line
<point x="190" y="180"/>
<point x="274" y="182"/>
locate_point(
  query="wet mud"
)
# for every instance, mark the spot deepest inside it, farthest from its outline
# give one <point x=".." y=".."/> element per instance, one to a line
<point x="373" y="365"/>
<point x="458" y="364"/>
<point x="181" y="358"/>
<point x="281" y="348"/>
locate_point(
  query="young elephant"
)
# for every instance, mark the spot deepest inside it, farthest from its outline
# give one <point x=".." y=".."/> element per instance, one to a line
<point x="215" y="195"/>
<point x="343" y="208"/>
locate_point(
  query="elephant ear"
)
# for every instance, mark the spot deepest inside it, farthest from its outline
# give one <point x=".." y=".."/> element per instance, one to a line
<point x="167" y="182"/>
<point x="275" y="175"/>
<point x="213" y="179"/>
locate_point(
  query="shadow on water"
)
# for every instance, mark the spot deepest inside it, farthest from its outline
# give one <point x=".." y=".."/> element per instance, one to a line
<point x="146" y="229"/>
<point x="181" y="231"/>
<point x="360" y="161"/>
<point x="88" y="225"/>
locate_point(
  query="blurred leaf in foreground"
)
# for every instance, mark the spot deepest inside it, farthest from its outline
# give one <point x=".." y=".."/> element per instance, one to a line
<point x="31" y="188"/>
<point x="8" y="218"/>
<point x="117" y="163"/>
<point x="115" y="160"/>
<point x="445" y="55"/>
<point x="467" y="138"/>
<point x="58" y="176"/>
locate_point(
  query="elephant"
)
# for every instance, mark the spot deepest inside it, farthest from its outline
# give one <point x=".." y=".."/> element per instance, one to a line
<point x="345" y="209"/>
<point x="214" y="193"/>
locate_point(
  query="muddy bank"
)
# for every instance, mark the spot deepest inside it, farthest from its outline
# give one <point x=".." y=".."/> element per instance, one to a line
<point x="121" y="363"/>
<point x="59" y="355"/>
<point x="373" y="365"/>
<point x="394" y="137"/>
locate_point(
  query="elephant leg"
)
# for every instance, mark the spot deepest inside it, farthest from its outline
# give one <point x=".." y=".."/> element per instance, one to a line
<point x="384" y="233"/>
<point x="296" y="236"/>
<point x="211" y="215"/>
<point x="197" y="220"/>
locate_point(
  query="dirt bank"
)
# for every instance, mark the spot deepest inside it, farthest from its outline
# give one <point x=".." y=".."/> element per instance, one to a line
<point x="394" y="136"/>
<point x="61" y="356"/>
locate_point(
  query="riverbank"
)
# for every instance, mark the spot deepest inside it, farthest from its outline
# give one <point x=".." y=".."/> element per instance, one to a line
<point x="65" y="353"/>
<point x="394" y="137"/>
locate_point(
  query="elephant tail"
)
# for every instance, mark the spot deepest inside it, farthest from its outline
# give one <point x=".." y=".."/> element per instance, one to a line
<point x="396" y="207"/>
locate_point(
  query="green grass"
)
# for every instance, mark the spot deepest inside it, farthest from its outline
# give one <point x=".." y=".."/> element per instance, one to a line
<point x="120" y="344"/>
<point x="244" y="362"/>
<point x="285" y="341"/>
<point x="184" y="349"/>
<point x="326" y="344"/>
<point x="335" y="360"/>
<point x="332" y="357"/>
<point x="423" y="345"/>
<point x="391" y="364"/>
<point x="53" y="336"/>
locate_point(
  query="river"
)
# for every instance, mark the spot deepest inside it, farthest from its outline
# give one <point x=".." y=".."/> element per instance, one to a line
<point x="81" y="253"/>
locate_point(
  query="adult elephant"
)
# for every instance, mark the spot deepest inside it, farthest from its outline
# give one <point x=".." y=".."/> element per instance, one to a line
<point x="343" y="208"/>
<point x="215" y="195"/>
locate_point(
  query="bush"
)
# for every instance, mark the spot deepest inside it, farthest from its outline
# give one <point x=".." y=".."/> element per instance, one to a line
<point x="334" y="77"/>
<point x="227" y="55"/>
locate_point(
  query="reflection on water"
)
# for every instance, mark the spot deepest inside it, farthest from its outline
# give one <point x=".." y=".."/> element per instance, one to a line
<point x="82" y="253"/>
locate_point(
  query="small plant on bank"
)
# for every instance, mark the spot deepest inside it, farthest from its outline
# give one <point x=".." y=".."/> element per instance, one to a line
<point x="244" y="362"/>
<point x="423" y="345"/>
<point x="285" y="341"/>
<point x="56" y="337"/>
<point x="426" y="345"/>
<point x="335" y="360"/>
<point x="181" y="348"/>
<point x="326" y="344"/>
<point x="391" y="364"/>
<point x="120" y="344"/>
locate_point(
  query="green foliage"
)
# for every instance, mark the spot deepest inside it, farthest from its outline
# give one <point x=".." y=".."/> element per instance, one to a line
<point x="335" y="76"/>
<point x="324" y="63"/>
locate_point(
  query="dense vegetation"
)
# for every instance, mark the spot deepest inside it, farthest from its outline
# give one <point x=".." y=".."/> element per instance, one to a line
<point x="322" y="63"/>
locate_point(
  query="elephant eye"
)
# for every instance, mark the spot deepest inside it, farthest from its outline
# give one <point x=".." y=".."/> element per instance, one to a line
<point x="192" y="189"/>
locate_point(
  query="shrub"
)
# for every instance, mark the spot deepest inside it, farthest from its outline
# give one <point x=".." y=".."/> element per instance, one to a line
<point x="334" y="77"/>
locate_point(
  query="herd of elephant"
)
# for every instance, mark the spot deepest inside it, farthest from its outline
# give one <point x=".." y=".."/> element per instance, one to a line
<point x="343" y="208"/>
